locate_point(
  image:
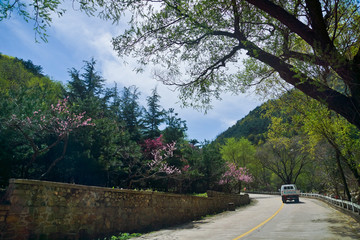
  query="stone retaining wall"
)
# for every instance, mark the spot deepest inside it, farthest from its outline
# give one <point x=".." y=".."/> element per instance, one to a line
<point x="49" y="210"/>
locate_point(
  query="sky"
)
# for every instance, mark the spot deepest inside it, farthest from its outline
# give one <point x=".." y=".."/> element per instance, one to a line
<point x="75" y="37"/>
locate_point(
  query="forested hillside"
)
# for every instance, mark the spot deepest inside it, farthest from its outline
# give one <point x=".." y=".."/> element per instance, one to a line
<point x="253" y="127"/>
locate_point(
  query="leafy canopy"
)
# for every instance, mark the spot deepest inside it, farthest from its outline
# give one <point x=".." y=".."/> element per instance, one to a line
<point x="200" y="46"/>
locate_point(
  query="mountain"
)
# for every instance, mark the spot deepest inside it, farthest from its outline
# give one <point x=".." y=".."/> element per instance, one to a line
<point x="252" y="126"/>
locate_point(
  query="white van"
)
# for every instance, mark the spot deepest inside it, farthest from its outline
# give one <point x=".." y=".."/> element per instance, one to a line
<point x="289" y="192"/>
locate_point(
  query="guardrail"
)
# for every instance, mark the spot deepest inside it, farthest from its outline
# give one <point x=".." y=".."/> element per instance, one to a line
<point x="263" y="192"/>
<point x="334" y="201"/>
<point x="351" y="206"/>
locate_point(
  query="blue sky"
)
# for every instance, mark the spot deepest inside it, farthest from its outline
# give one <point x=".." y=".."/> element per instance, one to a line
<point x="76" y="37"/>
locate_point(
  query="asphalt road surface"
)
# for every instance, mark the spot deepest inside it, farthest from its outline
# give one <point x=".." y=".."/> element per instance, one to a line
<point x="267" y="218"/>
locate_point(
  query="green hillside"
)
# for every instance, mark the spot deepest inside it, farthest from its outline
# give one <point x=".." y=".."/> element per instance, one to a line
<point x="252" y="126"/>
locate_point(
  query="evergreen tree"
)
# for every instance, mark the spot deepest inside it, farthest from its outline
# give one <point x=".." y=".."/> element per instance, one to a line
<point x="77" y="88"/>
<point x="87" y="90"/>
<point x="93" y="81"/>
<point x="131" y="111"/>
<point x="175" y="127"/>
<point x="154" y="115"/>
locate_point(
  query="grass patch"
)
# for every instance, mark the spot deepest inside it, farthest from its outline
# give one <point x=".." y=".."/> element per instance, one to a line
<point x="200" y="194"/>
<point x="123" y="236"/>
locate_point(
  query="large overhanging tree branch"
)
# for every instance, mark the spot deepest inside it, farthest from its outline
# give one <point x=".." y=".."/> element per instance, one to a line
<point x="298" y="40"/>
<point x="336" y="101"/>
<point x="317" y="36"/>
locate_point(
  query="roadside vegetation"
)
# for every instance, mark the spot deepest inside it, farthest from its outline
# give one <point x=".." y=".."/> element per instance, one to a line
<point x="123" y="236"/>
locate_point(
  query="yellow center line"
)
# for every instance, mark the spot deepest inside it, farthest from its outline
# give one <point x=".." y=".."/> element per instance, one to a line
<point x="250" y="231"/>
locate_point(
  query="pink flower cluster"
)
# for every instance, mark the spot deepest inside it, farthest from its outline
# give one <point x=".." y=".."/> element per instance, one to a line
<point x="60" y="120"/>
<point x="153" y="144"/>
<point x="64" y="121"/>
<point x="185" y="168"/>
<point x="160" y="154"/>
<point x="235" y="173"/>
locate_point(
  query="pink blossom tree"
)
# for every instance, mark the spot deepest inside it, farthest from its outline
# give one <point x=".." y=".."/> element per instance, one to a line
<point x="234" y="176"/>
<point x="161" y="154"/>
<point x="158" y="154"/>
<point x="59" y="121"/>
<point x="151" y="145"/>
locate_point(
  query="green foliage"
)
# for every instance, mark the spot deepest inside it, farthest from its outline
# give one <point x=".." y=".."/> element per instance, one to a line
<point x="41" y="15"/>
<point x="175" y="127"/>
<point x="21" y="93"/>
<point x="239" y="151"/>
<point x="200" y="195"/>
<point x="153" y="116"/>
<point x="327" y="138"/>
<point x="130" y="111"/>
<point x="284" y="157"/>
<point x="124" y="236"/>
<point x="208" y="38"/>
<point x="320" y="58"/>
<point x="212" y="164"/>
<point x="252" y="127"/>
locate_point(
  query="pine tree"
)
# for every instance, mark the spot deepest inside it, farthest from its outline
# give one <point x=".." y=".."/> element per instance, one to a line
<point x="154" y="115"/>
<point x="175" y="127"/>
<point x="131" y="111"/>
<point x="87" y="90"/>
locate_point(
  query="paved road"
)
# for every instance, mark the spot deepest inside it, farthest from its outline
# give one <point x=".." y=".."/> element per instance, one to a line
<point x="309" y="219"/>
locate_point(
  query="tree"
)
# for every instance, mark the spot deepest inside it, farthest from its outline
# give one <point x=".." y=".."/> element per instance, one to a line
<point x="212" y="164"/>
<point x="284" y="153"/>
<point x="240" y="152"/>
<point x="322" y="124"/>
<point x="87" y="84"/>
<point x="115" y="150"/>
<point x="284" y="157"/>
<point x="159" y="162"/>
<point x="153" y="116"/>
<point x="229" y="151"/>
<point x="156" y="165"/>
<point x="31" y="67"/>
<point x="175" y="127"/>
<point x="234" y="175"/>
<point x="87" y="90"/>
<point x="60" y="122"/>
<point x="131" y="112"/>
<point x="312" y="45"/>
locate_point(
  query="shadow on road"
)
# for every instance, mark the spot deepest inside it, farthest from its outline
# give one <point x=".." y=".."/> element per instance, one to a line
<point x="349" y="231"/>
<point x="300" y="202"/>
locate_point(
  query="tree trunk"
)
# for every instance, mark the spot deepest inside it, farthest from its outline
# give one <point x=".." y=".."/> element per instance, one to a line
<point x="346" y="189"/>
